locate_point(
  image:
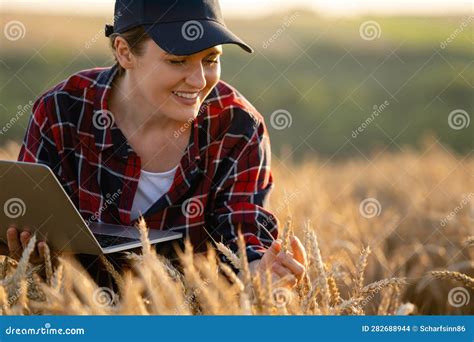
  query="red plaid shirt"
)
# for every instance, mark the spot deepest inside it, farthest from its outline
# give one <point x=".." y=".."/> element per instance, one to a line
<point x="223" y="179"/>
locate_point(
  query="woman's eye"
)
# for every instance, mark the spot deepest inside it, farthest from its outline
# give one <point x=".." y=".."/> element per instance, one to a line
<point x="177" y="62"/>
<point x="182" y="62"/>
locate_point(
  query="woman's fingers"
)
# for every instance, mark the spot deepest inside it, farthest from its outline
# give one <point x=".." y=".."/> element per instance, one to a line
<point x="270" y="255"/>
<point x="298" y="251"/>
<point x="296" y="268"/>
<point x="14" y="244"/>
<point x="41" y="249"/>
<point x="280" y="270"/>
<point x="37" y="255"/>
<point x="18" y="242"/>
<point x="24" y="238"/>
<point x="282" y="277"/>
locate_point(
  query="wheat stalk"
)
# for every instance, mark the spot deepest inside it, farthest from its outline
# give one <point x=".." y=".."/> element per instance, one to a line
<point x="378" y="286"/>
<point x="48" y="264"/>
<point x="360" y="268"/>
<point x="334" y="292"/>
<point x="244" y="270"/>
<point x="469" y="241"/>
<point x="231" y="256"/>
<point x="111" y="269"/>
<point x="285" y="236"/>
<point x="448" y="275"/>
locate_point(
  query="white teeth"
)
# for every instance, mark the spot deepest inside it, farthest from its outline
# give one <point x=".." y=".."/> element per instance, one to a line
<point x="186" y="95"/>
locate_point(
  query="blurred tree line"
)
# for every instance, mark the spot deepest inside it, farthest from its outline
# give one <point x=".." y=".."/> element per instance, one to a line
<point x="323" y="84"/>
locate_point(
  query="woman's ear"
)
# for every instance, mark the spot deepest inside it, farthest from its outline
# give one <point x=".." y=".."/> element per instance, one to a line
<point x="123" y="53"/>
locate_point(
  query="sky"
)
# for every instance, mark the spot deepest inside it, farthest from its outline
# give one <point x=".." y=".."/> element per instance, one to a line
<point x="263" y="7"/>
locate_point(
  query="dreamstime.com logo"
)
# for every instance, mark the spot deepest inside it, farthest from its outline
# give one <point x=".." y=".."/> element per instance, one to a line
<point x="192" y="30"/>
<point x="104" y="296"/>
<point x="103" y="119"/>
<point x="370" y="207"/>
<point x="458" y="119"/>
<point x="465" y="201"/>
<point x="370" y="30"/>
<point x="464" y="24"/>
<point x="192" y="208"/>
<point x="281" y="119"/>
<point x="109" y="200"/>
<point x="100" y="33"/>
<point x="286" y="24"/>
<point x="46" y="330"/>
<point x="14" y="207"/>
<point x="281" y="296"/>
<point x="22" y="110"/>
<point x="377" y="110"/>
<point x="14" y="30"/>
<point x="458" y="296"/>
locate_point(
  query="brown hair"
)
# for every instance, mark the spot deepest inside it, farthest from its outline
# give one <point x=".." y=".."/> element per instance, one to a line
<point x="135" y="39"/>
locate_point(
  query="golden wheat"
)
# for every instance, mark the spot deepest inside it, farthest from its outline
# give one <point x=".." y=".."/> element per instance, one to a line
<point x="414" y="235"/>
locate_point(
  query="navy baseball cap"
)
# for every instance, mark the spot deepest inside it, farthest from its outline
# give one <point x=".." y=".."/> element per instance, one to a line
<point x="180" y="27"/>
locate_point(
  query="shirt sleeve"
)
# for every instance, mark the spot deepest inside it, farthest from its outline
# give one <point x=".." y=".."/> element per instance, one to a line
<point x="242" y="197"/>
<point x="36" y="146"/>
<point x="39" y="145"/>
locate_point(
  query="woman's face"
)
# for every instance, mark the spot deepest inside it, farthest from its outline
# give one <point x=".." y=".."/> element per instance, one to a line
<point x="175" y="85"/>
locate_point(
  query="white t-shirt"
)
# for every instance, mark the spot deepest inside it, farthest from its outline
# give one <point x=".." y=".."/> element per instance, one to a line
<point x="151" y="186"/>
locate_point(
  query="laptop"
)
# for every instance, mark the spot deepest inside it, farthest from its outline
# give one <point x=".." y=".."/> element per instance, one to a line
<point x="33" y="199"/>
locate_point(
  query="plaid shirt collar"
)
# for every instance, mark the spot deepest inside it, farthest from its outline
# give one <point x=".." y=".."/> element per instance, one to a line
<point x="109" y="135"/>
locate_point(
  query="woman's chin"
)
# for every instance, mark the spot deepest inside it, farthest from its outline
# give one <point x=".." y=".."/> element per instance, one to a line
<point x="186" y="115"/>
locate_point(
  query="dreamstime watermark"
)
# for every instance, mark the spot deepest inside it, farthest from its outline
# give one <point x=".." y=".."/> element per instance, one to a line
<point x="104" y="296"/>
<point x="281" y="296"/>
<point x="22" y="110"/>
<point x="189" y="299"/>
<point x="192" y="30"/>
<point x="465" y="200"/>
<point x="100" y="33"/>
<point x="458" y="296"/>
<point x="192" y="208"/>
<point x="46" y="330"/>
<point x="109" y="199"/>
<point x="177" y="133"/>
<point x="94" y="39"/>
<point x="370" y="207"/>
<point x="14" y="297"/>
<point x="371" y="296"/>
<point x="288" y="20"/>
<point x="377" y="110"/>
<point x="281" y="206"/>
<point x="103" y="119"/>
<point x="281" y="119"/>
<point x="456" y="32"/>
<point x="459" y="119"/>
<point x="14" y="30"/>
<point x="14" y="207"/>
<point x="370" y="30"/>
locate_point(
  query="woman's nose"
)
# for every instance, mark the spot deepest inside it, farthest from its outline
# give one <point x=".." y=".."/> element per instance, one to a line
<point x="197" y="79"/>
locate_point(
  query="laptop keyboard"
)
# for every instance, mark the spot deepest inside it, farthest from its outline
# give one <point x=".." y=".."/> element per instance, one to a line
<point x="110" y="240"/>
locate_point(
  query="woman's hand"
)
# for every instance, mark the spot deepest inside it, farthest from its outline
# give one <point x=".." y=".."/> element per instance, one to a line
<point x="17" y="243"/>
<point x="287" y="268"/>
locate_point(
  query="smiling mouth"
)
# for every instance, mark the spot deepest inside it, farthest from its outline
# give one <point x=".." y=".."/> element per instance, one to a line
<point x="184" y="95"/>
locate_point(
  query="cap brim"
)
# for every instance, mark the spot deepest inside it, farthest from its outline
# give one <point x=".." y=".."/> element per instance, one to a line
<point x="187" y="38"/>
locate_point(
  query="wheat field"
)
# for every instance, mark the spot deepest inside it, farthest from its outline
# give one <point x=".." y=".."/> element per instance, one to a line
<point x="389" y="234"/>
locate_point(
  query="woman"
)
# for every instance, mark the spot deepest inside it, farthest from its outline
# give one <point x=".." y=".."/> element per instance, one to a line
<point x="160" y="134"/>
